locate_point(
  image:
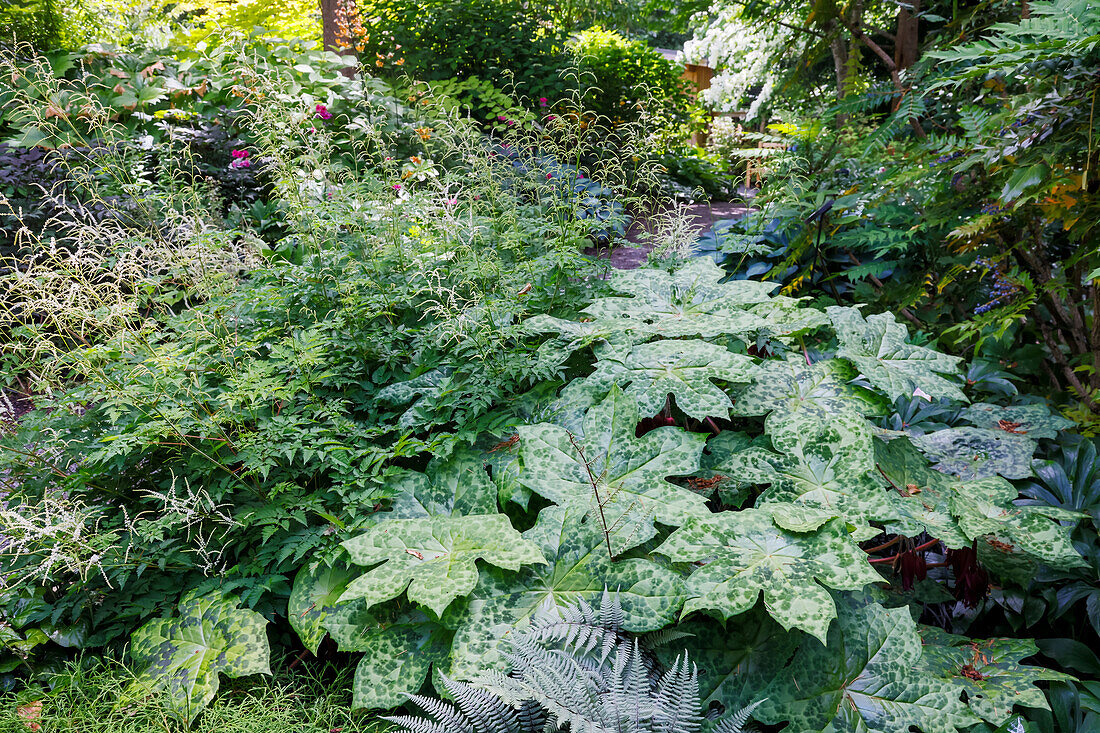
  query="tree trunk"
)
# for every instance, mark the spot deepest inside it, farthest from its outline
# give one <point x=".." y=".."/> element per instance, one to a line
<point x="907" y="47"/>
<point x="328" y="24"/>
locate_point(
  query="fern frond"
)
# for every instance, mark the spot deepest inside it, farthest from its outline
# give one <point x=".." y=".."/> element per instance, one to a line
<point x="736" y="722"/>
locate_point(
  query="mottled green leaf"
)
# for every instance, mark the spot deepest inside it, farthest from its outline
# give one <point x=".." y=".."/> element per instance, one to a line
<point x="457" y="485"/>
<point x="683" y="368"/>
<point x="989" y="670"/>
<point x="746" y="553"/>
<point x="878" y="347"/>
<point x="184" y="656"/>
<point x="972" y="453"/>
<point x="579" y="568"/>
<point x="398" y="653"/>
<point x="434" y="557"/>
<point x="920" y="495"/>
<point x="1032" y="421"/>
<point x="313" y="598"/>
<point x="791" y="387"/>
<point x="868" y="679"/>
<point x="626" y="472"/>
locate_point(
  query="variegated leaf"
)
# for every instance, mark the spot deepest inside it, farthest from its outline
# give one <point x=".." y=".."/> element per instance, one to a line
<point x="1032" y="421"/>
<point x="313" y="598"/>
<point x="973" y="453"/>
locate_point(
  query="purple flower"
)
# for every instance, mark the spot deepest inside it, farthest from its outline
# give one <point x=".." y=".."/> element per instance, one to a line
<point x="322" y="111"/>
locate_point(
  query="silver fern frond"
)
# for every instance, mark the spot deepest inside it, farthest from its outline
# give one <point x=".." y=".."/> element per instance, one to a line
<point x="736" y="722"/>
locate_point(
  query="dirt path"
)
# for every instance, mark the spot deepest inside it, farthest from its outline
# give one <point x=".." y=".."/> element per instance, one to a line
<point x="634" y="254"/>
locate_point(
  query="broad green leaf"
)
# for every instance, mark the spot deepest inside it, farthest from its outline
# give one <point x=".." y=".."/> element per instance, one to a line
<point x="457" y="485"/>
<point x="989" y="670"/>
<point x="608" y="461"/>
<point x="973" y="453"/>
<point x="868" y="679"/>
<point x="1022" y="180"/>
<point x="825" y="466"/>
<point x="735" y="660"/>
<point x="578" y="568"/>
<point x="184" y="656"/>
<point x="683" y="368"/>
<point x="920" y="495"/>
<point x="790" y="386"/>
<point x="434" y="557"/>
<point x="313" y="599"/>
<point x="1032" y="421"/>
<point x="878" y="347"/>
<point x="398" y="654"/>
<point x="746" y="554"/>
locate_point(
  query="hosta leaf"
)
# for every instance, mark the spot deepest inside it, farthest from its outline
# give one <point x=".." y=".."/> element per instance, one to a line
<point x="867" y="679"/>
<point x="826" y="466"/>
<point x="1032" y="421"/>
<point x="790" y="386"/>
<point x="628" y="472"/>
<point x="184" y="656"/>
<point x="878" y="347"/>
<point x="579" y="568"/>
<point x="398" y="654"/>
<point x="434" y="557"/>
<point x="457" y="485"/>
<point x="972" y="453"/>
<point x="735" y="660"/>
<point x="989" y="670"/>
<point x="313" y="599"/>
<point x="746" y="553"/>
<point x="685" y="369"/>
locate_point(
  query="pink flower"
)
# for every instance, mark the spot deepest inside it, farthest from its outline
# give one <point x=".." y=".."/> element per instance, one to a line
<point x="397" y="187"/>
<point x="501" y="118"/>
<point x="451" y="201"/>
<point x="240" y="159"/>
<point x="511" y="122"/>
<point x="549" y="176"/>
<point x="477" y="197"/>
<point x="542" y="101"/>
<point x="322" y="111"/>
<point x="551" y="118"/>
<point x="239" y="153"/>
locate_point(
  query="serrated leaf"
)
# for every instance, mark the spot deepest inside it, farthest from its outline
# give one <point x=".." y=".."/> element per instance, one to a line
<point x="973" y="453"/>
<point x="398" y="653"/>
<point x="458" y="485"/>
<point x="790" y="386"/>
<point x="747" y="554"/>
<point x="990" y="672"/>
<point x="683" y="368"/>
<point x="433" y="557"/>
<point x="866" y="680"/>
<point x="184" y="655"/>
<point x="878" y="346"/>
<point x="628" y="472"/>
<point x="1032" y="421"/>
<point x="313" y="598"/>
<point x="578" y="568"/>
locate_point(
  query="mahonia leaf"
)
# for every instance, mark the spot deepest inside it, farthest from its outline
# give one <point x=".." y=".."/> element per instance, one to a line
<point x="734" y="660"/>
<point x="826" y="466"/>
<point x="868" y="679"/>
<point x="628" y="472"/>
<point x="989" y="670"/>
<point x="790" y="386"/>
<point x="878" y="347"/>
<point x="1032" y="421"/>
<point x="688" y="302"/>
<point x="747" y="553"/>
<point x="579" y="569"/>
<point x="398" y="654"/>
<point x="458" y="485"/>
<point x="184" y="656"/>
<point x="434" y="557"/>
<point x="683" y="369"/>
<point x="313" y="598"/>
<point x="972" y="453"/>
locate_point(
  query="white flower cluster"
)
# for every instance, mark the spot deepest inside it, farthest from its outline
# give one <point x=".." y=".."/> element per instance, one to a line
<point x="748" y="56"/>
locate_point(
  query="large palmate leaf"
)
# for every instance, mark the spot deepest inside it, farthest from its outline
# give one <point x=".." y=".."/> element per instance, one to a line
<point x="868" y="679"/>
<point x="313" y="598"/>
<point x="579" y="569"/>
<point x="184" y="656"/>
<point x="971" y="453"/>
<point x="1032" y="421"/>
<point x="398" y="653"/>
<point x="457" y="485"/>
<point x="609" y="464"/>
<point x="690" y="301"/>
<point x="683" y="368"/>
<point x="747" y="553"/>
<point x="735" y="660"/>
<point x="824" y="465"/>
<point x="989" y="670"/>
<point x="434" y="557"/>
<point x="878" y="347"/>
<point x="920" y="495"/>
<point x="791" y="386"/>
